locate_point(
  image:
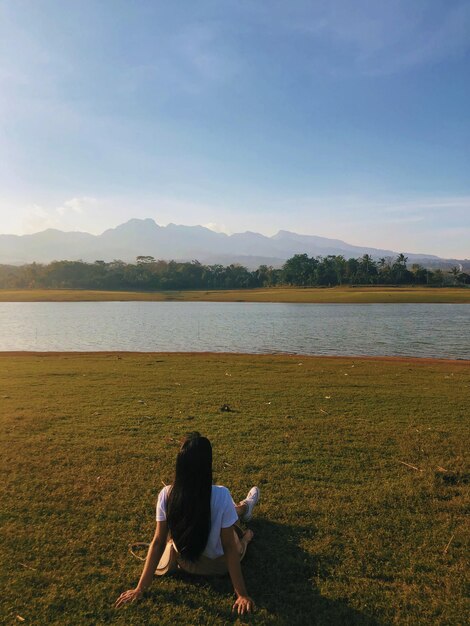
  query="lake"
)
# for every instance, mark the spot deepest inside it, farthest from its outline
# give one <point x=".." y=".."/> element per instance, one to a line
<point x="422" y="330"/>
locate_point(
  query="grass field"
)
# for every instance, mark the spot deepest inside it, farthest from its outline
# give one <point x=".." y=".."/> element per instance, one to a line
<point x="360" y="462"/>
<point x="339" y="295"/>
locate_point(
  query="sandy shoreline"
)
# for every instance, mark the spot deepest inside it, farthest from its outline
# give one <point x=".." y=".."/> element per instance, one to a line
<point x="278" y="295"/>
<point x="108" y="353"/>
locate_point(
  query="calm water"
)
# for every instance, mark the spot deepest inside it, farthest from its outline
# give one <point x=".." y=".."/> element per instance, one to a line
<point x="424" y="330"/>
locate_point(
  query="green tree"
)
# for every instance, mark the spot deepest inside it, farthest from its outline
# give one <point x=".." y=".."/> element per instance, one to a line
<point x="300" y="270"/>
<point x="339" y="265"/>
<point x="326" y="271"/>
<point x="420" y="274"/>
<point x="367" y="269"/>
<point x="455" y="271"/>
<point x="399" y="272"/>
<point x="352" y="270"/>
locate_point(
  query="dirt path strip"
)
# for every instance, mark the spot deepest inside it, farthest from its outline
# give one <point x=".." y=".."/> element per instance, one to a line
<point x="392" y="359"/>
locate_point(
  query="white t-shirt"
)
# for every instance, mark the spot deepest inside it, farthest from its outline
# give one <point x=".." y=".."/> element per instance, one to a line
<point x="223" y="515"/>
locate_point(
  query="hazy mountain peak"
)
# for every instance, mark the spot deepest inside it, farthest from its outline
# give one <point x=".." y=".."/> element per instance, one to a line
<point x="55" y="233"/>
<point x="282" y="233"/>
<point x="182" y="227"/>
<point x="249" y="233"/>
<point x="287" y="234"/>
<point x="134" y="227"/>
<point x="136" y="222"/>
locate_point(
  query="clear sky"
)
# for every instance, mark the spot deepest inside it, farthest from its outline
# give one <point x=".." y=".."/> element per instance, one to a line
<point x="341" y="118"/>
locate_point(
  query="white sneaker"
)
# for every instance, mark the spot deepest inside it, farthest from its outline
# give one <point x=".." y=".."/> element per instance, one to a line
<point x="251" y="499"/>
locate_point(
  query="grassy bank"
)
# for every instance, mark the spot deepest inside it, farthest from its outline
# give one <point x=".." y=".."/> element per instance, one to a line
<point x="339" y="295"/>
<point x="360" y="462"/>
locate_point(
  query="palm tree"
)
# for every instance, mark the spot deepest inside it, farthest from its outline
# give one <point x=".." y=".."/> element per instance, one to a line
<point x="368" y="267"/>
<point x="402" y="260"/>
<point x="339" y="264"/>
<point x="455" y="271"/>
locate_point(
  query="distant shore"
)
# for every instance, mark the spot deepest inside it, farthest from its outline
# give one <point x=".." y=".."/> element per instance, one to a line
<point x="314" y="295"/>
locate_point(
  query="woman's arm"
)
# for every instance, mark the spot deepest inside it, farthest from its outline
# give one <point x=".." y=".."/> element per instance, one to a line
<point x="243" y="603"/>
<point x="154" y="555"/>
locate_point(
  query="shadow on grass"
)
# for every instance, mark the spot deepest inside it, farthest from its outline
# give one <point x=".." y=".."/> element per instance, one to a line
<point x="280" y="577"/>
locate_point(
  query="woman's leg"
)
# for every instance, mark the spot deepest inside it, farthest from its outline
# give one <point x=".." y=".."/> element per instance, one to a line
<point x="240" y="509"/>
<point x="245" y="508"/>
<point x="242" y="539"/>
<point x="245" y="540"/>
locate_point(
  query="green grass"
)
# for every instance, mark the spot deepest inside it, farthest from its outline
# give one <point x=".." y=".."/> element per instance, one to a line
<point x="344" y="534"/>
<point x="340" y="295"/>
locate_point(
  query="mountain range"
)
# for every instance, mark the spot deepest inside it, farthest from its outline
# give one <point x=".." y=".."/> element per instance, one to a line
<point x="145" y="237"/>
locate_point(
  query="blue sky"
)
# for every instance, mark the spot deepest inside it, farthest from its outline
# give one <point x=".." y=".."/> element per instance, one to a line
<point x="346" y="119"/>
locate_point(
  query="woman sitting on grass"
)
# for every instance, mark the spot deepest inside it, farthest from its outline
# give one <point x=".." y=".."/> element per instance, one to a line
<point x="197" y="527"/>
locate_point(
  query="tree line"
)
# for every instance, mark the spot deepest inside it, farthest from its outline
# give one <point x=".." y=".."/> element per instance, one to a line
<point x="148" y="273"/>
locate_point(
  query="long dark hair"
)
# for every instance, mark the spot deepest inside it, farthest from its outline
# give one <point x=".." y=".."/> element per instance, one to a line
<point x="189" y="501"/>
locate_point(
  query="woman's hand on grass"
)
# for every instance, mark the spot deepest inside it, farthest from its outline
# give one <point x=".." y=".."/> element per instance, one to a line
<point x="128" y="596"/>
<point x="243" y="604"/>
